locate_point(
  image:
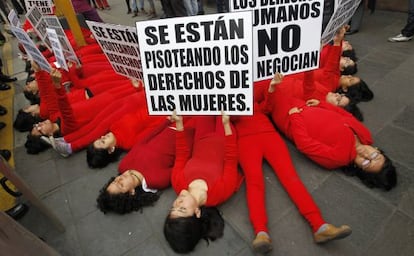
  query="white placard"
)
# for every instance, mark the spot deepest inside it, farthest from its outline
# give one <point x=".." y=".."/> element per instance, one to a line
<point x="35" y="17"/>
<point x="14" y="19"/>
<point x="286" y="35"/>
<point x="53" y="22"/>
<point x="120" y="45"/>
<point x="44" y="6"/>
<point x="198" y="65"/>
<point x="57" y="48"/>
<point x="31" y="48"/>
<point x="341" y="16"/>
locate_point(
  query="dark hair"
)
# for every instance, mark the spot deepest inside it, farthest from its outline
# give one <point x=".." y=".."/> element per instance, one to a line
<point x="183" y="233"/>
<point x="99" y="158"/>
<point x="35" y="145"/>
<point x="354" y="110"/>
<point x="350" y="54"/>
<point x="33" y="98"/>
<point x="350" y="69"/>
<point x="24" y="121"/>
<point x="124" y="202"/>
<point x="358" y="92"/>
<point x="386" y="178"/>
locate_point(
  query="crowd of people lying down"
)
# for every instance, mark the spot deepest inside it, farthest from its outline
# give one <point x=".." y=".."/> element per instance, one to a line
<point x="91" y="108"/>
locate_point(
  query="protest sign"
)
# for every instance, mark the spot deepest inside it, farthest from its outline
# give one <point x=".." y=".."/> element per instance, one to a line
<point x="198" y="65"/>
<point x="120" y="45"/>
<point x="286" y="35"/>
<point x="44" y="6"/>
<point x="35" y="17"/>
<point x="14" y="19"/>
<point x="57" y="48"/>
<point x="53" y="22"/>
<point x="31" y="48"/>
<point x="341" y="16"/>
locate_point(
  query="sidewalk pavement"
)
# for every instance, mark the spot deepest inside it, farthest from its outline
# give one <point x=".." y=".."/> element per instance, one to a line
<point x="382" y="222"/>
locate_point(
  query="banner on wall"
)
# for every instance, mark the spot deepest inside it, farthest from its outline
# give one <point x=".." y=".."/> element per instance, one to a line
<point x="120" y="45"/>
<point x="57" y="48"/>
<point x="31" y="49"/>
<point x="200" y="65"/>
<point x="286" y="35"/>
<point x="44" y="6"/>
<point x="53" y="22"/>
<point x="341" y="16"/>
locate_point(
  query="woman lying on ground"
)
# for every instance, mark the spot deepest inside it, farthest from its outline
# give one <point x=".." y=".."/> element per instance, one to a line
<point x="64" y="117"/>
<point x="258" y="140"/>
<point x="144" y="170"/>
<point x="330" y="136"/>
<point x="203" y="177"/>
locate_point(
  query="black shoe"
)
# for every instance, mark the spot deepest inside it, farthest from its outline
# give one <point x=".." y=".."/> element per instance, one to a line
<point x="18" y="211"/>
<point x="6" y="79"/>
<point x="4" y="87"/>
<point x="5" y="153"/>
<point x="3" y="110"/>
<point x="2" y="125"/>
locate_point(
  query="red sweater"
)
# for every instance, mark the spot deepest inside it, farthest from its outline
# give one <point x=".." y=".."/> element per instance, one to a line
<point x="325" y="133"/>
<point x="154" y="155"/>
<point x="213" y="159"/>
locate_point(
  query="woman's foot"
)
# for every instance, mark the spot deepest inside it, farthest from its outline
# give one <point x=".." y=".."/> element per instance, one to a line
<point x="262" y="243"/>
<point x="328" y="232"/>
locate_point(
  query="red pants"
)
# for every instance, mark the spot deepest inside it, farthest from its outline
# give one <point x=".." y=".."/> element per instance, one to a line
<point x="270" y="146"/>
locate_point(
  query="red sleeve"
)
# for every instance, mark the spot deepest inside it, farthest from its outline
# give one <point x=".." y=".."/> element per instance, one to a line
<point x="48" y="103"/>
<point x="308" y="86"/>
<point x="182" y="154"/>
<point x="69" y="123"/>
<point x="331" y="72"/>
<point x="231" y="179"/>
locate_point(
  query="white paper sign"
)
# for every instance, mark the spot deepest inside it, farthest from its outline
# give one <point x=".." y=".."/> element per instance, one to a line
<point x="53" y="22"/>
<point x="44" y="6"/>
<point x="14" y="19"/>
<point x="120" y="45"/>
<point x="31" y="48"/>
<point x="35" y="17"/>
<point x="341" y="16"/>
<point x="198" y="65"/>
<point x="286" y="35"/>
<point x="57" y="48"/>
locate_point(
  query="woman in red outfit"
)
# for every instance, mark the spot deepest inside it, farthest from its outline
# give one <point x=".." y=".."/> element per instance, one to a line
<point x="65" y="118"/>
<point x="257" y="141"/>
<point x="144" y="170"/>
<point x="330" y="136"/>
<point x="203" y="177"/>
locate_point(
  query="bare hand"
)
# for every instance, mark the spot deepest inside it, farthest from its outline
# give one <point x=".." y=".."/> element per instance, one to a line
<point x="295" y="110"/>
<point x="225" y="118"/>
<point x="34" y="65"/>
<point x="56" y="77"/>
<point x="312" y="102"/>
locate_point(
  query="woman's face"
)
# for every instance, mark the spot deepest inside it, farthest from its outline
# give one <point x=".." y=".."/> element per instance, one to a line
<point x="369" y="158"/>
<point x="345" y="62"/>
<point x="184" y="205"/>
<point x="348" y="81"/>
<point x="337" y="99"/>
<point x="126" y="182"/>
<point x="31" y="87"/>
<point x="105" y="142"/>
<point x="43" y="128"/>
<point x="346" y="46"/>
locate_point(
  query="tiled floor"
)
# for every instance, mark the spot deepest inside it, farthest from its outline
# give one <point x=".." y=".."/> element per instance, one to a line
<point x="382" y="222"/>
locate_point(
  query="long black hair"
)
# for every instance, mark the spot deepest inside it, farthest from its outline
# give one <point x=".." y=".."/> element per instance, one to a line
<point x="124" y="202"/>
<point x="99" y="158"/>
<point x="385" y="179"/>
<point x="34" y="145"/>
<point x="183" y="233"/>
<point x="24" y="121"/>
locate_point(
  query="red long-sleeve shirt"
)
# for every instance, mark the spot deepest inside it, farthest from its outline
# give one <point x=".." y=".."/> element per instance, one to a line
<point x="213" y="159"/>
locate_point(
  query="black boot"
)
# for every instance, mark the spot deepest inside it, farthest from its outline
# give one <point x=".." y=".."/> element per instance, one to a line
<point x="18" y="211"/>
<point x="5" y="153"/>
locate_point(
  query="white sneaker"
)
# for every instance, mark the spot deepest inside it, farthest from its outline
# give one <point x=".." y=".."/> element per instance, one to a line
<point x="400" y="38"/>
